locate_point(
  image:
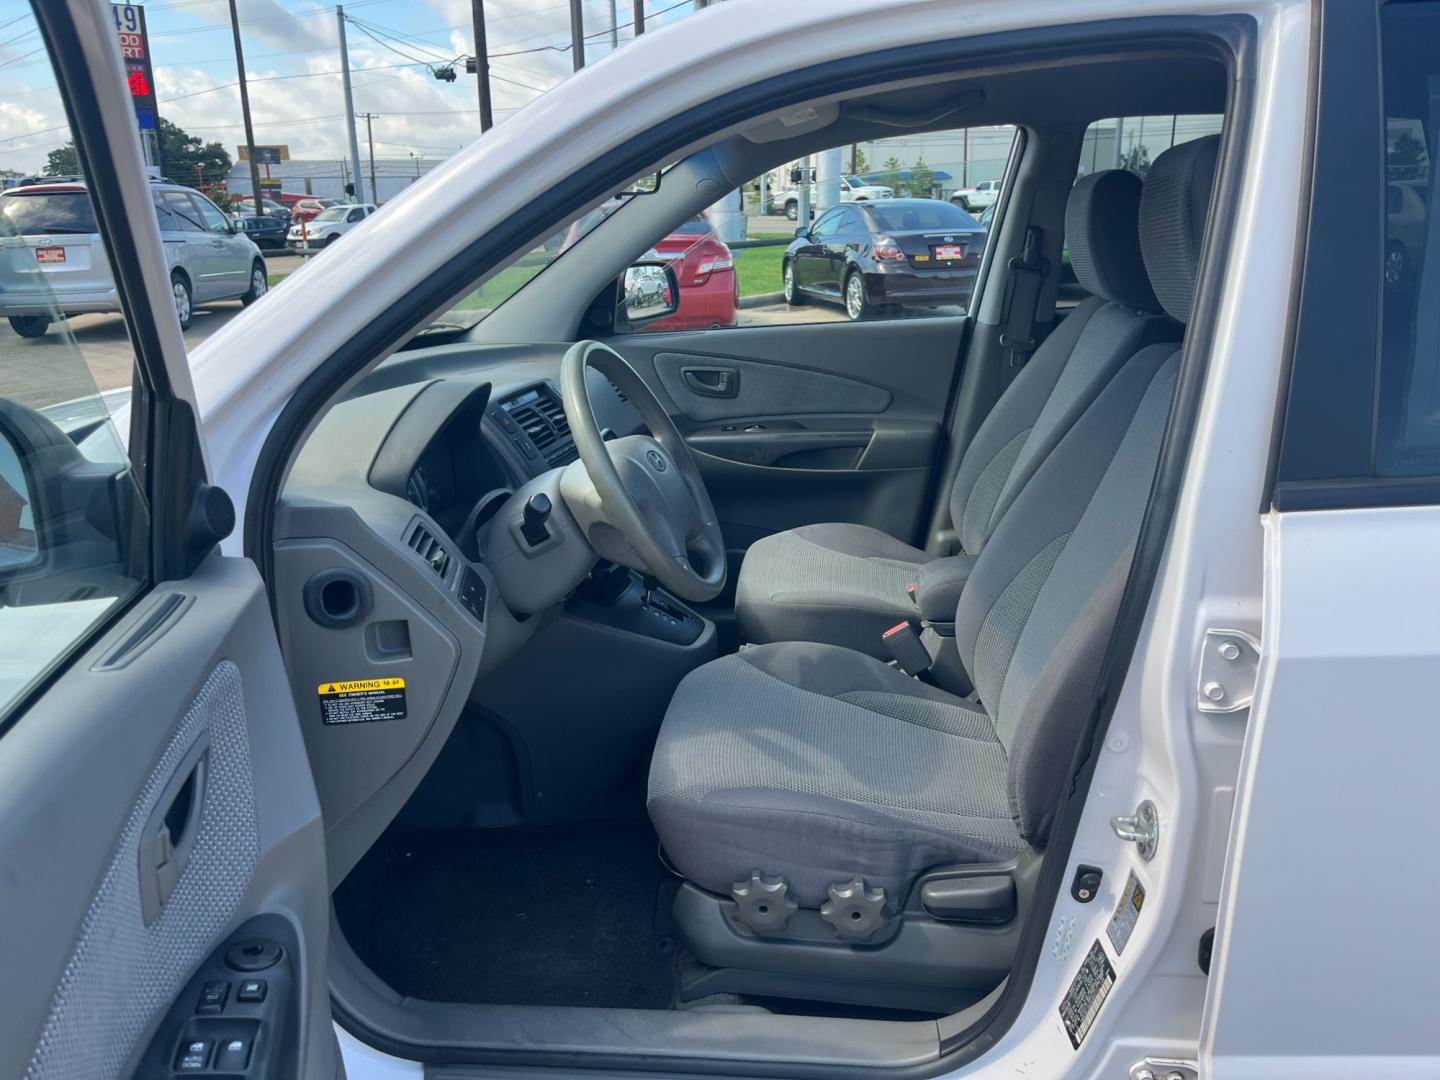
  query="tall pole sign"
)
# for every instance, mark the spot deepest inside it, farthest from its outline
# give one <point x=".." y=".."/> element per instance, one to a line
<point x="139" y="76"/>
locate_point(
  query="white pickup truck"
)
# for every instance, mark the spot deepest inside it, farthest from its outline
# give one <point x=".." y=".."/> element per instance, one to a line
<point x="852" y="189"/>
<point x="978" y="197"/>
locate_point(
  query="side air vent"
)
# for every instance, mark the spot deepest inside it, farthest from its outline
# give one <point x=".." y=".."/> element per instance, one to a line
<point x="428" y="546"/>
<point x="540" y="418"/>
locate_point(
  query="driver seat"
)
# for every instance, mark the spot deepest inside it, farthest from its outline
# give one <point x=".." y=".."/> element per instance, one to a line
<point x="818" y="766"/>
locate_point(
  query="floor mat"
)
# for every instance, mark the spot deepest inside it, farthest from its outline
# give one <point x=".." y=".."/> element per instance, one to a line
<point x="539" y="915"/>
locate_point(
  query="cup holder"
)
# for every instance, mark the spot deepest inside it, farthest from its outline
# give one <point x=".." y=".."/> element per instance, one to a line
<point x="336" y="599"/>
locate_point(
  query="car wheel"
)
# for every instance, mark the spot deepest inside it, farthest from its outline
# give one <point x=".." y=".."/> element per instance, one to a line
<point x="793" y="296"/>
<point x="31" y="326"/>
<point x="180" y="289"/>
<point x="1397" y="265"/>
<point x="330" y="239"/>
<point x="857" y="307"/>
<point x="792" y="211"/>
<point x="259" y="284"/>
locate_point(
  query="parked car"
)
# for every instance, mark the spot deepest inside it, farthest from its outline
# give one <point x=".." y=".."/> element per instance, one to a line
<point x="852" y="189"/>
<point x="268" y="232"/>
<point x="705" y="269"/>
<point x="281" y="210"/>
<point x="978" y="197"/>
<point x="60" y="265"/>
<point x="1405" y="222"/>
<point x="308" y="209"/>
<point x="327" y="226"/>
<point x="883" y="255"/>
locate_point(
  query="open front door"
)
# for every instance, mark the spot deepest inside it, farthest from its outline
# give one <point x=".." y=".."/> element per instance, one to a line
<point x="162" y="863"/>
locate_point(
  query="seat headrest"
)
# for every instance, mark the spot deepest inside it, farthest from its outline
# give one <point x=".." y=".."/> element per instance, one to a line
<point x="1102" y="230"/>
<point x="1172" y="220"/>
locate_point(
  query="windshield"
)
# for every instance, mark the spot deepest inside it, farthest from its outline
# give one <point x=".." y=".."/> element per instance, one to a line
<point x="476" y="305"/>
<point x="335" y="214"/>
<point x="48" y="212"/>
<point x="926" y="214"/>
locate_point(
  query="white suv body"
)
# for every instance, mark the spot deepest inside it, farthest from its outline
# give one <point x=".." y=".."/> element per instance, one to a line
<point x="53" y="259"/>
<point x="852" y="189"/>
<point x="327" y="226"/>
<point x="978" y="197"/>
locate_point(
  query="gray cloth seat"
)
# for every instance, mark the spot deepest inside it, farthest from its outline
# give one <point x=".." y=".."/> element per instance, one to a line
<point x="820" y="764"/>
<point x="844" y="584"/>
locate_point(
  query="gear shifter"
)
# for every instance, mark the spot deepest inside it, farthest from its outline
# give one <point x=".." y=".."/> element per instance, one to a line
<point x="534" y="516"/>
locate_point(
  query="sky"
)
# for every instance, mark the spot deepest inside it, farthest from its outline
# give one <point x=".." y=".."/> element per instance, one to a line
<point x="293" y="70"/>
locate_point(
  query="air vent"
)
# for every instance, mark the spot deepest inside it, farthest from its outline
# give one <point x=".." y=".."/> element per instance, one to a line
<point x="541" y="417"/>
<point x="428" y="546"/>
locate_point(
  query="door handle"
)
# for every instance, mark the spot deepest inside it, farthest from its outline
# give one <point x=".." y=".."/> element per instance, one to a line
<point x="168" y="838"/>
<point x="720" y="382"/>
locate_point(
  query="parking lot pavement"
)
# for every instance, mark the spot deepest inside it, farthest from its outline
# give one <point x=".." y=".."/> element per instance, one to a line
<point x="42" y="371"/>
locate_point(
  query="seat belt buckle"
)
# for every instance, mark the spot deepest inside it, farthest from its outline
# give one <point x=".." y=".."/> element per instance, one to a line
<point x="912" y="590"/>
<point x="903" y="644"/>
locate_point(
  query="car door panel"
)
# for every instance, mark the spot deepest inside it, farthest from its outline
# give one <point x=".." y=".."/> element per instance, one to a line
<point x="203" y="695"/>
<point x="821" y="422"/>
<point x="155" y="796"/>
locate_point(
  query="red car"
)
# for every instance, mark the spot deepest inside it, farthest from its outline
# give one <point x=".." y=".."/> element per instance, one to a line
<point x="306" y="209"/>
<point x="706" y="271"/>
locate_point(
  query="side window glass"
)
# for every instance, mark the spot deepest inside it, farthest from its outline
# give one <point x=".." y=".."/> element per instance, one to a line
<point x="356" y="215"/>
<point x="187" y="218"/>
<point x="762" y="275"/>
<point x="1407" y="440"/>
<point x="210" y="215"/>
<point x="73" y="523"/>
<point x="164" y="216"/>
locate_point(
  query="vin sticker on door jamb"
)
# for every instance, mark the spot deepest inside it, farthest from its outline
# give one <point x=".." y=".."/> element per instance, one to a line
<point x="1127" y="913"/>
<point x="361" y="701"/>
<point x="1088" y="991"/>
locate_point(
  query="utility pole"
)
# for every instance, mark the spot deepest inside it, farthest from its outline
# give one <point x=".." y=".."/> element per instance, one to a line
<point x="639" y="17"/>
<point x="482" y="64"/>
<point x="577" y="35"/>
<point x="245" y="114"/>
<point x="349" y="106"/>
<point x="370" y="137"/>
<point x="614" y="27"/>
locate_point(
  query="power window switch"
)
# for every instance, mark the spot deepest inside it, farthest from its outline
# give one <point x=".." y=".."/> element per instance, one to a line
<point x="251" y="990"/>
<point x="232" y="1055"/>
<point x="212" y="997"/>
<point x="194" y="1055"/>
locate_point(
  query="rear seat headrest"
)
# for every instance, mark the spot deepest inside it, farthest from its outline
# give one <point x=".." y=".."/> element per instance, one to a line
<point x="1102" y="230"/>
<point x="1172" y="220"/>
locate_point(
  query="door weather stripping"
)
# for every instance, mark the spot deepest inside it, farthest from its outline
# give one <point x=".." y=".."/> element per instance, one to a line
<point x="1141" y="828"/>
<point x="1228" y="663"/>
<point x="1158" y="1068"/>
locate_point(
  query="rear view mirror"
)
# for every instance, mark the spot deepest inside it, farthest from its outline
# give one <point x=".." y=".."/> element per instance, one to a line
<point x="648" y="291"/>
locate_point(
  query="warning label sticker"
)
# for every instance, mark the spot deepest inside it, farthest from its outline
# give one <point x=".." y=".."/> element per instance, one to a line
<point x="359" y="701"/>
<point x="1127" y="913"/>
<point x="1087" y="993"/>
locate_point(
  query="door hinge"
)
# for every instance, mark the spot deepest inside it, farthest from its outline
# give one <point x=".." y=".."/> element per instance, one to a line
<point x="1141" y="828"/>
<point x="1159" y="1068"/>
<point x="1229" y="660"/>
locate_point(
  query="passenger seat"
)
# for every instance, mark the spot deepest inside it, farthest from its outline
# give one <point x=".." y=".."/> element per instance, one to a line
<point x="845" y="584"/>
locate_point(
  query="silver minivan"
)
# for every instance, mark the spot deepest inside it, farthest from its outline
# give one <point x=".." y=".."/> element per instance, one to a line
<point x="51" y="258"/>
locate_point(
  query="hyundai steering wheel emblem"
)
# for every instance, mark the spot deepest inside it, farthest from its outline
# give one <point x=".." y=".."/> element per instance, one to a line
<point x="656" y="460"/>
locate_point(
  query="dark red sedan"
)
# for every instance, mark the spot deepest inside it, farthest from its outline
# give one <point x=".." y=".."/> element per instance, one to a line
<point x="706" y="271"/>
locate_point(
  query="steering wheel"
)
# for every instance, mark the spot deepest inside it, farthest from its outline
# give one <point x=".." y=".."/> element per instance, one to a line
<point x="650" y="489"/>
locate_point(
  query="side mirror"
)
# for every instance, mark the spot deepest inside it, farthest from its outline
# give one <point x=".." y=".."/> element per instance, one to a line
<point x="802" y="233"/>
<point x="649" y="290"/>
<point x="19" y="543"/>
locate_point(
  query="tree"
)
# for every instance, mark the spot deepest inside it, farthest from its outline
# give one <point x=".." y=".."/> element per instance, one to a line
<point x="185" y="158"/>
<point x="1405" y="159"/>
<point x="890" y="173"/>
<point x="920" y="180"/>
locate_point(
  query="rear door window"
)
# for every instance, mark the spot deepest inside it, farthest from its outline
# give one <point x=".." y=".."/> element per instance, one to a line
<point x="186" y="217"/>
<point x="43" y="213"/>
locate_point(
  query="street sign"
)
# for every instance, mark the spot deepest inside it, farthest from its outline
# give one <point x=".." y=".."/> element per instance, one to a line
<point x="265" y="155"/>
<point x="139" y="74"/>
